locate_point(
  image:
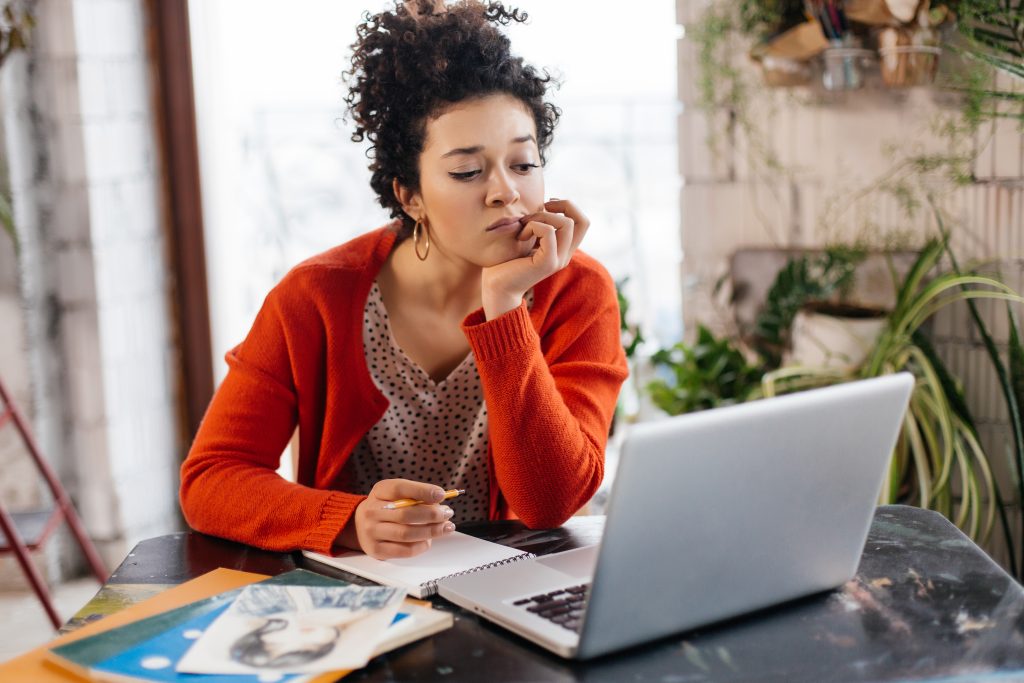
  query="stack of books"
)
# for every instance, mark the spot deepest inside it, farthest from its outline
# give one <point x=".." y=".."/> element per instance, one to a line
<point x="237" y="626"/>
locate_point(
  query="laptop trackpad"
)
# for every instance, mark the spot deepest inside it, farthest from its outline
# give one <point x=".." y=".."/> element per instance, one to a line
<point x="579" y="563"/>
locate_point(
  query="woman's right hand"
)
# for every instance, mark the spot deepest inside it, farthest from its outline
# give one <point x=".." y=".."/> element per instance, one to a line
<point x="386" y="534"/>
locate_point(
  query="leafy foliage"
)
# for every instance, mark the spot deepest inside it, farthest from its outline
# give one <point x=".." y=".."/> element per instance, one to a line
<point x="723" y="83"/>
<point x="714" y="372"/>
<point x="766" y="18"/>
<point x="803" y="279"/>
<point x="939" y="436"/>
<point x="939" y="441"/>
<point x="1011" y="381"/>
<point x="709" y="374"/>
<point x="993" y="33"/>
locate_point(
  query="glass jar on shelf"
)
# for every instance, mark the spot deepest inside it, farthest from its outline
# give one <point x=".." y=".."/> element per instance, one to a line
<point x="843" y="67"/>
<point x="905" y="66"/>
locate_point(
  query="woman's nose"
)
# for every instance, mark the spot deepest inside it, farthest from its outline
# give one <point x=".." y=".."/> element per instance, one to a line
<point x="502" y="190"/>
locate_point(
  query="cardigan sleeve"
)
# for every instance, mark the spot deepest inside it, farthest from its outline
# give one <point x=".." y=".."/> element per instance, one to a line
<point x="229" y="484"/>
<point x="551" y="401"/>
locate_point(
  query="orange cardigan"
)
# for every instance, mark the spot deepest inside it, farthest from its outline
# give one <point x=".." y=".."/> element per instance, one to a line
<point x="550" y="375"/>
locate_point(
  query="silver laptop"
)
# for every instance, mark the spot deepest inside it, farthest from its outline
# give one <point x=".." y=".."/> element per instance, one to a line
<point x="712" y="515"/>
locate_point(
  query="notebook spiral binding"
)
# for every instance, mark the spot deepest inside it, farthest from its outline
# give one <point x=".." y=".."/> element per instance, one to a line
<point x="430" y="587"/>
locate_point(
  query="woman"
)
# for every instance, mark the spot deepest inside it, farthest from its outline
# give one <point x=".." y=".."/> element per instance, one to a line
<point x="466" y="345"/>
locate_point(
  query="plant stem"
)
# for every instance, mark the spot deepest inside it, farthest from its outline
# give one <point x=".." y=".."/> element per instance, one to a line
<point x="1004" y="381"/>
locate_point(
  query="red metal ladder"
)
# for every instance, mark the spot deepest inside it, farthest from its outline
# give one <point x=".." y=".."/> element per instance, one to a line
<point x="29" y="531"/>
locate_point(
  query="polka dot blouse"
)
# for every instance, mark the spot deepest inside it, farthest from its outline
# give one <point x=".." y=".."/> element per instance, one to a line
<point x="432" y="431"/>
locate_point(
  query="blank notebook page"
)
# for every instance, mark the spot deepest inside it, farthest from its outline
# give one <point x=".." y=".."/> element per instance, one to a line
<point x="449" y="555"/>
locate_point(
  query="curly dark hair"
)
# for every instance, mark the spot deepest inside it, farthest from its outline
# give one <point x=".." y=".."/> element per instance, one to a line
<point x="409" y="67"/>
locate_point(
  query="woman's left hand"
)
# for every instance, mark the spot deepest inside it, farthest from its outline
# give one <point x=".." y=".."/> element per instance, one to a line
<point x="558" y="229"/>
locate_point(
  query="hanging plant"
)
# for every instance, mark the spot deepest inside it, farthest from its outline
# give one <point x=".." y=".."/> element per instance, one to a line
<point x="725" y="30"/>
<point x="994" y="39"/>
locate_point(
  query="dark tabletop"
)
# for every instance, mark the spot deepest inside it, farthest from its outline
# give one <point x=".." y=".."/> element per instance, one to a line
<point x="926" y="603"/>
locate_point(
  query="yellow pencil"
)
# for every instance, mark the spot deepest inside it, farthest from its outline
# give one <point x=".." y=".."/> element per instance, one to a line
<point x="409" y="502"/>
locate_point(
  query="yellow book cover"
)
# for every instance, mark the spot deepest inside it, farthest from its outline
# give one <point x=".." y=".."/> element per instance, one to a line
<point x="35" y="665"/>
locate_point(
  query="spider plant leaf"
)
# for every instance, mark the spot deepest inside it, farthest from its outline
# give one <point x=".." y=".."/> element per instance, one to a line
<point x="885" y="494"/>
<point x="994" y="498"/>
<point x="1004" y="524"/>
<point x="965" y="494"/>
<point x="1012" y="403"/>
<point x="942" y="455"/>
<point x="974" y="503"/>
<point x="889" y="494"/>
<point x="1004" y="42"/>
<point x="925" y="405"/>
<point x="1016" y="357"/>
<point x="954" y="394"/>
<point x="939" y="304"/>
<point x="919" y="455"/>
<point x="1003" y="64"/>
<point x="799" y="377"/>
<point x="926" y="260"/>
<point x="928" y="300"/>
<point x="1008" y="535"/>
<point x="977" y="456"/>
<point x="1012" y="398"/>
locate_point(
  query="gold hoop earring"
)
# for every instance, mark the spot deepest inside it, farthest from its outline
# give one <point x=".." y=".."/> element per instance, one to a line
<point x="416" y="241"/>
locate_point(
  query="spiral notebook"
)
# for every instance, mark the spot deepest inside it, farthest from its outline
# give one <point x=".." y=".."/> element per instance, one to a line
<point x="450" y="555"/>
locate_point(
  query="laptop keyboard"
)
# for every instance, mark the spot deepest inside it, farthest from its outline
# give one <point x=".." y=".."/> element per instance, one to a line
<point x="563" y="607"/>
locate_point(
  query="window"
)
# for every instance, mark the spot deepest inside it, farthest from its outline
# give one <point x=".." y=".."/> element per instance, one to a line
<point x="283" y="181"/>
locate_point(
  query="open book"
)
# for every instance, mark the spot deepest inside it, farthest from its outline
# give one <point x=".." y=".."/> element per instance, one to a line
<point x="449" y="555"/>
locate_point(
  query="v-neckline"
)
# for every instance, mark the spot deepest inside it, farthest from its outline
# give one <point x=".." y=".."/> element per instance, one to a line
<point x="431" y="383"/>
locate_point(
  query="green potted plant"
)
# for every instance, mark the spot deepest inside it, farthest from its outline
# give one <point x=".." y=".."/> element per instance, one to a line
<point x="807" y="279"/>
<point x="717" y="371"/>
<point x="834" y="334"/>
<point x="939" y="439"/>
<point x="712" y="372"/>
<point x="939" y="448"/>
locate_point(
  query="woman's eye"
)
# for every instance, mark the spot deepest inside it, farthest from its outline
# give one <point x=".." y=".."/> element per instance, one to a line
<point x="469" y="175"/>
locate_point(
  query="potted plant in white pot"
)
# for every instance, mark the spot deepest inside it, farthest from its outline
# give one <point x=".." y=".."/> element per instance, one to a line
<point x="834" y="335"/>
<point x="938" y="443"/>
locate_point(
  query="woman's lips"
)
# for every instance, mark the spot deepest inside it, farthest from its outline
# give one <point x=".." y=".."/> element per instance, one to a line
<point x="506" y="225"/>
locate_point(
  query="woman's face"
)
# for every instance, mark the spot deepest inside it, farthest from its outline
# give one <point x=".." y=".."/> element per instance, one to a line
<point x="480" y="164"/>
<point x="298" y="636"/>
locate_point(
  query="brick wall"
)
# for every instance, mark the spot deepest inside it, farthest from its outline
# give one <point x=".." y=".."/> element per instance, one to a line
<point x="94" y="277"/>
<point x="834" y="147"/>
